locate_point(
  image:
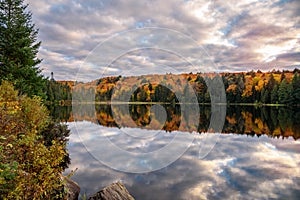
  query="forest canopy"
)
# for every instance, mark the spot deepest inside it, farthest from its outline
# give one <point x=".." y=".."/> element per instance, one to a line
<point x="276" y="87"/>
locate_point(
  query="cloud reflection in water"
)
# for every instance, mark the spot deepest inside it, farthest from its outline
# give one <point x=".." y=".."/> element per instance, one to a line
<point x="239" y="167"/>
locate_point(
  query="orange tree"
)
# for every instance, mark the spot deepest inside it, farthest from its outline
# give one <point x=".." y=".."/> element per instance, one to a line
<point x="28" y="168"/>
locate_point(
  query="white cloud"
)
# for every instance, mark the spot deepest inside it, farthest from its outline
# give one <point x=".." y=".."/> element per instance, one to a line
<point x="236" y="34"/>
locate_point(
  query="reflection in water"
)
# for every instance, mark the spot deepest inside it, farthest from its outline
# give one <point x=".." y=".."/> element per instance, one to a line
<point x="239" y="167"/>
<point x="271" y="121"/>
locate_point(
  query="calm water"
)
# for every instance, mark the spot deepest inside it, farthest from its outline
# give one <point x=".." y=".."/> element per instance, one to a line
<point x="257" y="155"/>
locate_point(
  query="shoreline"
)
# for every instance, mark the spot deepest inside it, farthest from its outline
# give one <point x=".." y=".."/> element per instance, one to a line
<point x="75" y="103"/>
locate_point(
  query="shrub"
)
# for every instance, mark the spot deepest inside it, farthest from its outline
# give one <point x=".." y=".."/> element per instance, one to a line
<point x="28" y="168"/>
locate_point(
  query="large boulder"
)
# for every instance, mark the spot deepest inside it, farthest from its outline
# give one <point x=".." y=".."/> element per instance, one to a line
<point x="115" y="191"/>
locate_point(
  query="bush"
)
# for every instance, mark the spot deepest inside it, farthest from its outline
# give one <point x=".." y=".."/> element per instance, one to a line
<point x="28" y="168"/>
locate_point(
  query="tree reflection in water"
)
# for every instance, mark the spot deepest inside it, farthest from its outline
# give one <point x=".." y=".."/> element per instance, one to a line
<point x="255" y="121"/>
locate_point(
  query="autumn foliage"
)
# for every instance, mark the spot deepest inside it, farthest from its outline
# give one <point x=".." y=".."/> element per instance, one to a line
<point x="28" y="168"/>
<point x="276" y="87"/>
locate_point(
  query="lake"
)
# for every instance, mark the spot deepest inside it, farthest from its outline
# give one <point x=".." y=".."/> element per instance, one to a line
<point x="256" y="155"/>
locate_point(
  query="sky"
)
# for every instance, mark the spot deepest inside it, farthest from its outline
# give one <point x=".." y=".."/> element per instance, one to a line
<point x="97" y="38"/>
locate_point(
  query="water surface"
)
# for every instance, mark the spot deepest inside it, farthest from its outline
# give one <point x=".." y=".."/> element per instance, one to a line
<point x="257" y="155"/>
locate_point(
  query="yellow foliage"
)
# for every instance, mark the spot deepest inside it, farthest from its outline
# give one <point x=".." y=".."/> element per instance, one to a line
<point x="28" y="169"/>
<point x="260" y="85"/>
<point x="277" y="132"/>
<point x="277" y="77"/>
<point x="231" y="120"/>
<point x="248" y="122"/>
<point x="255" y="80"/>
<point x="231" y="88"/>
<point x="259" y="123"/>
<point x="247" y="91"/>
<point x="262" y="127"/>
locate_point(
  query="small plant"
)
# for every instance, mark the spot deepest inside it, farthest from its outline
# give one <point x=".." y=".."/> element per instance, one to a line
<point x="83" y="196"/>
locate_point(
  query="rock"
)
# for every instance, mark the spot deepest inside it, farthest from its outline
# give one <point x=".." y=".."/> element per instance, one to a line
<point x="115" y="191"/>
<point x="72" y="188"/>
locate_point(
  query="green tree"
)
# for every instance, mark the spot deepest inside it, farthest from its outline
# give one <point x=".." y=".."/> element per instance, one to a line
<point x="284" y="92"/>
<point x="271" y="83"/>
<point x="201" y="88"/>
<point x="157" y="93"/>
<point x="57" y="91"/>
<point x="282" y="76"/>
<point x="265" y="95"/>
<point x="19" y="48"/>
<point x="296" y="89"/>
<point x="274" y="94"/>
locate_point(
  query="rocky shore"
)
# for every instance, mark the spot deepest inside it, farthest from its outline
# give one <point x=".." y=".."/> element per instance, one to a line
<point x="114" y="191"/>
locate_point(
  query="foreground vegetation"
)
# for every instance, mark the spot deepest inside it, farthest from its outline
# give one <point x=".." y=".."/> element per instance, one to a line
<point x="32" y="146"/>
<point x="31" y="162"/>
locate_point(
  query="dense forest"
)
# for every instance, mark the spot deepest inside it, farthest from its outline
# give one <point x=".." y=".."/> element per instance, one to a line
<point x="58" y="92"/>
<point x="276" y="87"/>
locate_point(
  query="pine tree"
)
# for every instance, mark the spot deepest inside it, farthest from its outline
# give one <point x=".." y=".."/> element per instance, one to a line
<point x="19" y="48"/>
<point x="271" y="82"/>
<point x="267" y="98"/>
<point x="274" y="94"/>
<point x="284" y="92"/>
<point x="265" y="95"/>
<point x="296" y="89"/>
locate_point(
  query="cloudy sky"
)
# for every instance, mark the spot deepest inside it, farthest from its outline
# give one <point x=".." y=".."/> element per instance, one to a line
<point x="112" y="37"/>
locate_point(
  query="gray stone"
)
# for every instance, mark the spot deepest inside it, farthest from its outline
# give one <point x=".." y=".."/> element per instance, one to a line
<point x="115" y="191"/>
<point x="72" y="188"/>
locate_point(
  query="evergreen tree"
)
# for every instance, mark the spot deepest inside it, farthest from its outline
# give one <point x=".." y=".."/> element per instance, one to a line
<point x="274" y="94"/>
<point x="143" y="95"/>
<point x="50" y="93"/>
<point x="271" y="83"/>
<point x="283" y="92"/>
<point x="296" y="89"/>
<point x="269" y="88"/>
<point x="265" y="95"/>
<point x="199" y="79"/>
<point x="19" y="48"/>
<point x="158" y="94"/>
<point x="282" y="76"/>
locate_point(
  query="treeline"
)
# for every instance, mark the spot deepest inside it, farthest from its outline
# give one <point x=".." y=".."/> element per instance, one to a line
<point x="276" y="87"/>
<point x="58" y="92"/>
<point x="266" y="88"/>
